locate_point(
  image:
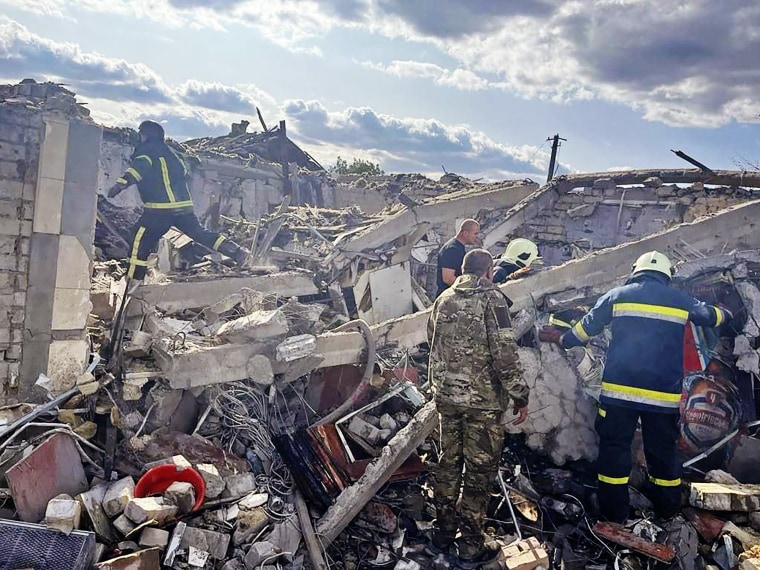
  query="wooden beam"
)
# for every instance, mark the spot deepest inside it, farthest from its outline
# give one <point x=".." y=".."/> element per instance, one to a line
<point x="309" y="537"/>
<point x="352" y="500"/>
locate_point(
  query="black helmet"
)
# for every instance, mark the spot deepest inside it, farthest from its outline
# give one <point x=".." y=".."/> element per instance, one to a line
<point x="151" y="130"/>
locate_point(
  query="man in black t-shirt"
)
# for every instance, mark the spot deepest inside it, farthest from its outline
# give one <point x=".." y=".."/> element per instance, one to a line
<point x="451" y="255"/>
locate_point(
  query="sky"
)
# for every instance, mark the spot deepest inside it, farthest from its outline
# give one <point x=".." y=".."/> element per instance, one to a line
<point x="474" y="87"/>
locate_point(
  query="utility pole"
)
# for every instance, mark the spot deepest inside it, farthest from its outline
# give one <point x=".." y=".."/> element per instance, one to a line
<point x="555" y="147"/>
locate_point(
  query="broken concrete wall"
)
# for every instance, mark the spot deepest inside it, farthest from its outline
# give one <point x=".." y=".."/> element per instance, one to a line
<point x="575" y="215"/>
<point x="48" y="178"/>
<point x="20" y="135"/>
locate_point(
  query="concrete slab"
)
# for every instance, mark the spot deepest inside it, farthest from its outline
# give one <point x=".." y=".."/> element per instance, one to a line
<point x="72" y="265"/>
<point x="174" y="297"/>
<point x="35" y="360"/>
<point x="42" y="276"/>
<point x="52" y="469"/>
<point x="48" y="202"/>
<point x="71" y="308"/>
<point x="79" y="207"/>
<point x="719" y="497"/>
<point x="54" y="149"/>
<point x="215" y="365"/>
<point x="67" y="360"/>
<point x="149" y="559"/>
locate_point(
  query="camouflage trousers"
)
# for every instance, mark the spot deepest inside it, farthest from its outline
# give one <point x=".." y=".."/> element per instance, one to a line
<point x="471" y="441"/>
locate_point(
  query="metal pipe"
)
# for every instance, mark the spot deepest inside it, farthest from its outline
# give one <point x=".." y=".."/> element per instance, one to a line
<point x="361" y="390"/>
<point x="509" y="504"/>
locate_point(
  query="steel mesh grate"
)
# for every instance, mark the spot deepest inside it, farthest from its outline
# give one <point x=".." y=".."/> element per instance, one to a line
<point x="26" y="545"/>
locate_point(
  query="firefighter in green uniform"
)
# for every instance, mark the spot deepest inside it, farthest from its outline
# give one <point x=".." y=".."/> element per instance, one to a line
<point x="475" y="375"/>
<point x="160" y="176"/>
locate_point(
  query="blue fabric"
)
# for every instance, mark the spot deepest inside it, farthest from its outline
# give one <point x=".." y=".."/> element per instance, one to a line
<point x="647" y="319"/>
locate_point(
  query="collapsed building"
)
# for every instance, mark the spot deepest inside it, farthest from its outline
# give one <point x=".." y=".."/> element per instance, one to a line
<point x="278" y="415"/>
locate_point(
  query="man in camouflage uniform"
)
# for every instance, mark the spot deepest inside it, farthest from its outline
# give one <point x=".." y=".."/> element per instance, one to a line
<point x="474" y="373"/>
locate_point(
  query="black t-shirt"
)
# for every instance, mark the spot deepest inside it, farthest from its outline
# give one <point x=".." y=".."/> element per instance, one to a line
<point x="450" y="256"/>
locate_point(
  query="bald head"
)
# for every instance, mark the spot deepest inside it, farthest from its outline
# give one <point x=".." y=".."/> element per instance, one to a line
<point x="469" y="232"/>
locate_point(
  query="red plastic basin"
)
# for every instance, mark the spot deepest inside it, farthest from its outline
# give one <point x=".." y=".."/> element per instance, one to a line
<point x="157" y="480"/>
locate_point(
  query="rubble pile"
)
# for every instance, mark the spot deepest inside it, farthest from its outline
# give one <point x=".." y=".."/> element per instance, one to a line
<point x="246" y="473"/>
<point x="278" y="415"/>
<point x="46" y="96"/>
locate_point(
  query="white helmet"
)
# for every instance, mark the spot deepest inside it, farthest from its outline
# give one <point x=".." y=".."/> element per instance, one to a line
<point x="522" y="252"/>
<point x="653" y="261"/>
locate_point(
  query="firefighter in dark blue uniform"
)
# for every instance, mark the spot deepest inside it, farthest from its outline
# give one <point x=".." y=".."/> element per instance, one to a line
<point x="642" y="379"/>
<point x="515" y="262"/>
<point x="160" y="176"/>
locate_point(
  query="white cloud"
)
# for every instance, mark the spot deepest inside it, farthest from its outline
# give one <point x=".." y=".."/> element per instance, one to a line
<point x="25" y="53"/>
<point x="412" y="144"/>
<point x="681" y="63"/>
<point x="462" y="79"/>
<point x="121" y="93"/>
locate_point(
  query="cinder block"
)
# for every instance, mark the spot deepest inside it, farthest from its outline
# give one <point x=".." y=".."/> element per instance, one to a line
<point x="118" y="495"/>
<point x="11" y="189"/>
<point x="214" y="482"/>
<point x="525" y="555"/>
<point x="150" y="508"/>
<point x="9" y="209"/>
<point x="10" y="227"/>
<point x="181" y="494"/>
<point x="154" y="537"/>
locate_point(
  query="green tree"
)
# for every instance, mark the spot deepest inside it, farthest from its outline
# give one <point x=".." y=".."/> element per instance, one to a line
<point x="357" y="166"/>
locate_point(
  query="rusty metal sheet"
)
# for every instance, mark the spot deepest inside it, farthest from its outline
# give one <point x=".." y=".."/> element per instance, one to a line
<point x="53" y="468"/>
<point x="618" y="534"/>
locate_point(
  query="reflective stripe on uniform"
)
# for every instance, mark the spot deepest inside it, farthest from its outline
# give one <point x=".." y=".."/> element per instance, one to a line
<point x="167" y="205"/>
<point x="559" y="322"/>
<point x="580" y="333"/>
<point x="640" y="395"/>
<point x="665" y="482"/>
<point x="134" y="261"/>
<point x="134" y="173"/>
<point x="167" y="181"/>
<point x="719" y="316"/>
<point x="613" y="480"/>
<point x="122" y="180"/>
<point x="646" y="311"/>
<point x="145" y="157"/>
<point x="603" y="412"/>
<point x="219" y="241"/>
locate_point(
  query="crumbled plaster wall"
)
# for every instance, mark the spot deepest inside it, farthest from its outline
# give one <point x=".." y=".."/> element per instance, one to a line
<point x="604" y="215"/>
<point x="561" y="414"/>
<point x="48" y="173"/>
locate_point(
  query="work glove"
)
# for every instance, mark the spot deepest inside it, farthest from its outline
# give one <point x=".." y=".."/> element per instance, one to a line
<point x="114" y="190"/>
<point x="550" y="334"/>
<point x="521" y="413"/>
<point x="519" y="273"/>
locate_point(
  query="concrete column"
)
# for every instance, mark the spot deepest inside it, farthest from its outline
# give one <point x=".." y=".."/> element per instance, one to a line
<point x="58" y="300"/>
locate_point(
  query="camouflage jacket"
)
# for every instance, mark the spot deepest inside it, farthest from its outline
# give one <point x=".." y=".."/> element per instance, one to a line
<point x="473" y="353"/>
